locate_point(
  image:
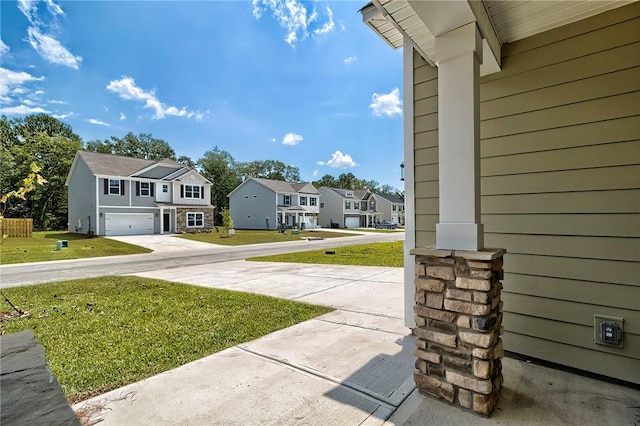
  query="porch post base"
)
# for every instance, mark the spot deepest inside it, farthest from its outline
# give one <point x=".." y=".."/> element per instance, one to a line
<point x="460" y="236"/>
<point x="458" y="315"/>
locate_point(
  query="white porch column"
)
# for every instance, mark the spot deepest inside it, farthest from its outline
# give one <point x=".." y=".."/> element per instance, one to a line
<point x="458" y="55"/>
<point x="161" y="220"/>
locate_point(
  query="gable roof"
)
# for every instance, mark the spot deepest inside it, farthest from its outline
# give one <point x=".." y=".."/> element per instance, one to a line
<point x="358" y="194"/>
<point x="392" y="198"/>
<point x="282" y="186"/>
<point x="115" y="165"/>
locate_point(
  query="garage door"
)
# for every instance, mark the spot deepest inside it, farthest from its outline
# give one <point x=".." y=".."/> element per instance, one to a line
<point x="352" y="222"/>
<point x="128" y="224"/>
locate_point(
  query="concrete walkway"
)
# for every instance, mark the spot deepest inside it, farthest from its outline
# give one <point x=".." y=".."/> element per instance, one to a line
<point x="161" y="243"/>
<point x="349" y="367"/>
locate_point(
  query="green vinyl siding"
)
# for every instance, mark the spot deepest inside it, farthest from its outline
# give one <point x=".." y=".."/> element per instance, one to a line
<point x="560" y="167"/>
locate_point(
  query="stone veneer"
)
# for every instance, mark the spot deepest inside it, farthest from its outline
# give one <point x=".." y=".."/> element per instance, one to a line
<point x="458" y="316"/>
<point x="182" y="219"/>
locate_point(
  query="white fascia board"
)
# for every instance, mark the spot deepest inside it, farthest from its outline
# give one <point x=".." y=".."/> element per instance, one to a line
<point x="71" y="170"/>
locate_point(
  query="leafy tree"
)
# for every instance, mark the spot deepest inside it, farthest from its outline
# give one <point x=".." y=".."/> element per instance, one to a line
<point x="227" y="222"/>
<point x="268" y="169"/>
<point x="219" y="167"/>
<point x="29" y="184"/>
<point x="51" y="144"/>
<point x="142" y="146"/>
<point x="186" y="161"/>
<point x="326" y="180"/>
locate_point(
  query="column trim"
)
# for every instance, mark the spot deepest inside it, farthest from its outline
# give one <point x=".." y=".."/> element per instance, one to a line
<point x="409" y="184"/>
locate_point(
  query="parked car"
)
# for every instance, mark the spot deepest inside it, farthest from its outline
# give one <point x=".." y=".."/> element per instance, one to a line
<point x="385" y="224"/>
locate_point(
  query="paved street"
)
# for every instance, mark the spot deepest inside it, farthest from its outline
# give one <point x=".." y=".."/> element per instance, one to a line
<point x="39" y="272"/>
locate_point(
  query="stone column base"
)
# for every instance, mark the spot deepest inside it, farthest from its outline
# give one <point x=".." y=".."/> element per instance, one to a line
<point x="458" y="326"/>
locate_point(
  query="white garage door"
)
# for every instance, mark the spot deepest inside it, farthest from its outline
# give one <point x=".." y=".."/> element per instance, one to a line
<point x="352" y="222"/>
<point x="128" y="224"/>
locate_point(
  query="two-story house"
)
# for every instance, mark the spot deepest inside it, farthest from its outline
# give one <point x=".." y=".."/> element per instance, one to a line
<point x="268" y="204"/>
<point x="113" y="195"/>
<point x="392" y="207"/>
<point x="345" y="208"/>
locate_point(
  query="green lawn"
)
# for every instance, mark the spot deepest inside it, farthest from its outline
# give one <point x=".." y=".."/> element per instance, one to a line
<point x="243" y="237"/>
<point x="102" y="333"/>
<point x="42" y="246"/>
<point x="380" y="230"/>
<point x="376" y="254"/>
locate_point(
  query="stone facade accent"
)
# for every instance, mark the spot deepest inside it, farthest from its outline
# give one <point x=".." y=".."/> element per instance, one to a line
<point x="182" y="219"/>
<point x="459" y="319"/>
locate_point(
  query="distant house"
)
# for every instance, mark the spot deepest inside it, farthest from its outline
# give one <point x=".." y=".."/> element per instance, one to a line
<point x="392" y="207"/>
<point x="267" y="204"/>
<point x="112" y="195"/>
<point x="345" y="208"/>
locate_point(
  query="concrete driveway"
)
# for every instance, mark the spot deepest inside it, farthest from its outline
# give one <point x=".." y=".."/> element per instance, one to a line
<point x="161" y="243"/>
<point x="352" y="366"/>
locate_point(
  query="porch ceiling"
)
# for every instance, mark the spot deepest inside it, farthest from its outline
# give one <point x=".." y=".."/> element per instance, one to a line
<point x="499" y="21"/>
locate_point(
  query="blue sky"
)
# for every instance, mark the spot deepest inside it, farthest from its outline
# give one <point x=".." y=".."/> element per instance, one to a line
<point x="307" y="83"/>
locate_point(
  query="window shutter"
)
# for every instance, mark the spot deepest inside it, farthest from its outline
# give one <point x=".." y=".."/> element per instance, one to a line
<point x="151" y="188"/>
<point x="181" y="191"/>
<point x="202" y="192"/>
<point x="137" y="189"/>
<point x="106" y="186"/>
<point x="121" y="187"/>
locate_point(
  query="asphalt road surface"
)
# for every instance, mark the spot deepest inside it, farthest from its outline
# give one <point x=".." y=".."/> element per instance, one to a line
<point x="41" y="272"/>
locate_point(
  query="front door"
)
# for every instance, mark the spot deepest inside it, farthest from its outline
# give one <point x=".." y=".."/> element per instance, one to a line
<point x="166" y="222"/>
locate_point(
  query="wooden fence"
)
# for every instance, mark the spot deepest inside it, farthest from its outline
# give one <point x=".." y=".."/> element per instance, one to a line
<point x="16" y="227"/>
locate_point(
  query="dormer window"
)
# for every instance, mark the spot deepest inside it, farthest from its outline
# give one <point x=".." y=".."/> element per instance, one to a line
<point x="349" y="194"/>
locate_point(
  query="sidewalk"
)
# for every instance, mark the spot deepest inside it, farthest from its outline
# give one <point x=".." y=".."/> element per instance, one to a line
<point x="352" y="366"/>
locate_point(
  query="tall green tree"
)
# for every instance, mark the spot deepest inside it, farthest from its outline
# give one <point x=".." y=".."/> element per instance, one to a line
<point x="268" y="169"/>
<point x="219" y="167"/>
<point x="52" y="145"/>
<point x="143" y="146"/>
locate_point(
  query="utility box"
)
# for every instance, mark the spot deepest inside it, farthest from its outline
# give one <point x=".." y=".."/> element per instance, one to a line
<point x="608" y="331"/>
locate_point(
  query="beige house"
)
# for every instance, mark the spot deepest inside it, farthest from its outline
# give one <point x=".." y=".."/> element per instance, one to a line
<point x="522" y="131"/>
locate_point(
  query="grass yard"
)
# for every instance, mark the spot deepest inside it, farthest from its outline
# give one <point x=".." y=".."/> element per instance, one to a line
<point x="244" y="237"/>
<point x="42" y="246"/>
<point x="102" y="333"/>
<point x="376" y="254"/>
<point x="381" y="231"/>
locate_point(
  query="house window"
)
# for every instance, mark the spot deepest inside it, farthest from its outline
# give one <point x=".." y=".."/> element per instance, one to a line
<point x="322" y="205"/>
<point x="144" y="189"/>
<point x="287" y="200"/>
<point x="195" y="220"/>
<point x="347" y="205"/>
<point x="313" y="201"/>
<point x="165" y="188"/>
<point x="192" y="191"/>
<point x="114" y="186"/>
<point x="395" y="208"/>
<point x="303" y="201"/>
<point x="363" y="205"/>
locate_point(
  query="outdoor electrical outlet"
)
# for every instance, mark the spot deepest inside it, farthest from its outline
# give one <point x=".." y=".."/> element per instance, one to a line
<point x="608" y="330"/>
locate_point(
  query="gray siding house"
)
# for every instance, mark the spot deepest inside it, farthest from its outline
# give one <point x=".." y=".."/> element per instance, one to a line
<point x="112" y="195"/>
<point x="551" y="163"/>
<point x="392" y="207"/>
<point x="346" y="208"/>
<point x="268" y="204"/>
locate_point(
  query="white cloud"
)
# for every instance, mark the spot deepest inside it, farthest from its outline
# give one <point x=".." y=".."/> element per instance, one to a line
<point x="328" y="26"/>
<point x="292" y="16"/>
<point x="315" y="173"/>
<point x="342" y="27"/>
<point x="63" y="116"/>
<point x="272" y="140"/>
<point x="386" y="104"/>
<point x="127" y="89"/>
<point x="341" y="161"/>
<point x="57" y="102"/>
<point x="51" y="49"/>
<point x="43" y="41"/>
<point x="11" y="82"/>
<point x="291" y="139"/>
<point x="38" y="92"/>
<point x="350" y="59"/>
<point x="122" y="117"/>
<point x="320" y="163"/>
<point x="98" y="122"/>
<point x="22" y="110"/>
<point x="3" y="48"/>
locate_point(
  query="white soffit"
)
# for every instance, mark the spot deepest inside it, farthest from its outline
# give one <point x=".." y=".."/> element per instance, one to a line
<point x="500" y="22"/>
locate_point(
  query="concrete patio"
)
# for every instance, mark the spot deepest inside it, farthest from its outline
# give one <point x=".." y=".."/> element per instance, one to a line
<point x="352" y="366"/>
